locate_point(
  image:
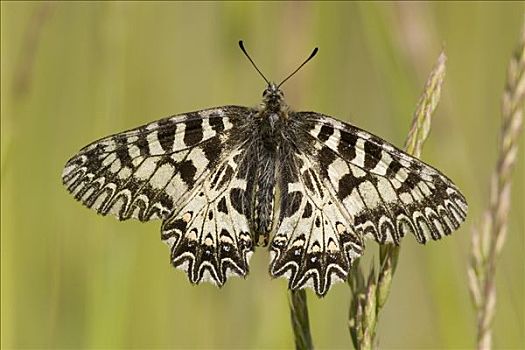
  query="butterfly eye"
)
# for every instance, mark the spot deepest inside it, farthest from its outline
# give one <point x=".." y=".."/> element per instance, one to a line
<point x="265" y="93"/>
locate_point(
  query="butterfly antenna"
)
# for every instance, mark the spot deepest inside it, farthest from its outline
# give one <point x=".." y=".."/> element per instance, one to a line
<point x="241" y="45"/>
<point x="314" y="52"/>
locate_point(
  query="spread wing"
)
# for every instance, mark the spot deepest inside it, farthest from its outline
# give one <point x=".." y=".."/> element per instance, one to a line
<point x="186" y="170"/>
<point x="341" y="184"/>
<point x="315" y="243"/>
<point x="209" y="233"/>
<point x="145" y="172"/>
<point x="387" y="192"/>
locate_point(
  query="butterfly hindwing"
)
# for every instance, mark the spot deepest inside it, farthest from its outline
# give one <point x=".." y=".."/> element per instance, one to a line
<point x="314" y="245"/>
<point x="209" y="236"/>
<point x="145" y="172"/>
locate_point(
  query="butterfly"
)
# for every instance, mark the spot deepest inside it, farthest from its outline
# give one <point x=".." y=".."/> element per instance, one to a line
<point x="227" y="179"/>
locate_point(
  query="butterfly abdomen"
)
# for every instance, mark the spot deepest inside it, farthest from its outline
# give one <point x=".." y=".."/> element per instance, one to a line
<point x="263" y="205"/>
<point x="266" y="149"/>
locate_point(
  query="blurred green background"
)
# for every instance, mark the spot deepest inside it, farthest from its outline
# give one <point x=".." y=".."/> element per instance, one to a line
<point x="74" y="72"/>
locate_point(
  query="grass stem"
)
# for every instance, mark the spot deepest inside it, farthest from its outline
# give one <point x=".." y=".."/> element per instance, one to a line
<point x="489" y="237"/>
<point x="369" y="298"/>
<point x="300" y="321"/>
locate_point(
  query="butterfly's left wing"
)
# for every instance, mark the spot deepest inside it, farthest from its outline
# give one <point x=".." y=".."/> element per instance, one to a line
<point x="188" y="170"/>
<point x="209" y="232"/>
<point x="143" y="173"/>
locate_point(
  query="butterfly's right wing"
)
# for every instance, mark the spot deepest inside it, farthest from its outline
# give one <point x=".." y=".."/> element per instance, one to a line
<point x="315" y="243"/>
<point x="340" y="184"/>
<point x="386" y="191"/>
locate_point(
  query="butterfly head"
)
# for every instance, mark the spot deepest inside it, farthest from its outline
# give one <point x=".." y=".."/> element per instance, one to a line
<point x="273" y="97"/>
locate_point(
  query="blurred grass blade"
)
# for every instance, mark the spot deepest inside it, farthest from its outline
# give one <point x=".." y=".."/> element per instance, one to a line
<point x="300" y="321"/>
<point x="425" y="108"/>
<point x="489" y="237"/>
<point x="368" y="299"/>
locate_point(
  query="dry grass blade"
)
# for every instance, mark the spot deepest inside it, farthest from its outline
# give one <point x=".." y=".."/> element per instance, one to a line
<point x="300" y="322"/>
<point x="368" y="299"/>
<point x="489" y="237"/>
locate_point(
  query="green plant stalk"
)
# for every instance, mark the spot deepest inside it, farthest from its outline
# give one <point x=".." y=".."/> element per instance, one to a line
<point x="300" y="321"/>
<point x="489" y="237"/>
<point x="368" y="299"/>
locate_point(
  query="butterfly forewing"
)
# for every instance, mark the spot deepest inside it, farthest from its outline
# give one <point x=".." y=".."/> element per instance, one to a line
<point x="387" y="192"/>
<point x="145" y="172"/>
